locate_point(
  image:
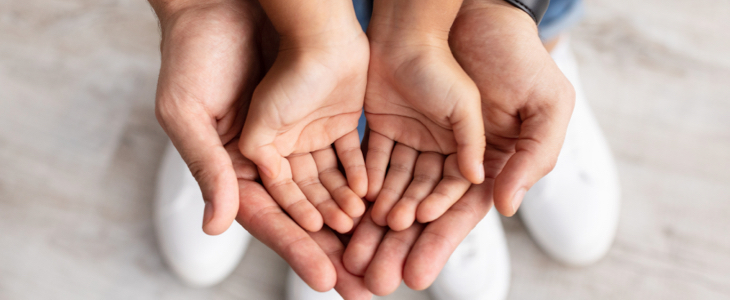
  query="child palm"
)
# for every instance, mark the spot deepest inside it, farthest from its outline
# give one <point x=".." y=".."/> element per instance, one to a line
<point x="311" y="98"/>
<point x="420" y="100"/>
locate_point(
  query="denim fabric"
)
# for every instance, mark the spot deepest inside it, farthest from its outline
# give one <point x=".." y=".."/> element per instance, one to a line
<point x="559" y="17"/>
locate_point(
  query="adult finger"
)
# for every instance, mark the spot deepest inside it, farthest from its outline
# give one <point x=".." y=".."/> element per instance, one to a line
<point x="385" y="271"/>
<point x="541" y="137"/>
<point x="425" y="177"/>
<point x="349" y="286"/>
<point x="261" y="216"/>
<point x="363" y="245"/>
<point x="350" y="155"/>
<point x="194" y="136"/>
<point x="439" y="239"/>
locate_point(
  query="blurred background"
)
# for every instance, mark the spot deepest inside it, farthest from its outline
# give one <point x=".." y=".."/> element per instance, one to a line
<point x="80" y="148"/>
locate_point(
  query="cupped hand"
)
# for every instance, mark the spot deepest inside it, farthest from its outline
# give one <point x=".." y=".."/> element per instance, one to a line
<point x="211" y="63"/>
<point x="310" y="99"/>
<point x="426" y="130"/>
<point x="526" y="99"/>
<point x="526" y="104"/>
<point x="213" y="56"/>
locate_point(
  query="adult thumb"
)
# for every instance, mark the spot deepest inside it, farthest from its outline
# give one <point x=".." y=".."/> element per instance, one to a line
<point x="200" y="146"/>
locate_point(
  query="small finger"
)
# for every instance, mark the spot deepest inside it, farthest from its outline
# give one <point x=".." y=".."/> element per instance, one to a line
<point x="470" y="139"/>
<point x="305" y="175"/>
<point x="400" y="173"/>
<point x="425" y="177"/>
<point x="336" y="184"/>
<point x="363" y="245"/>
<point x="376" y="162"/>
<point x="286" y="192"/>
<point x="450" y="189"/>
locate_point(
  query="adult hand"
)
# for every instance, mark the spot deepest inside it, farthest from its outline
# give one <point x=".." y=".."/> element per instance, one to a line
<point x="526" y="104"/>
<point x="210" y="66"/>
<point x="213" y="55"/>
<point x="526" y="99"/>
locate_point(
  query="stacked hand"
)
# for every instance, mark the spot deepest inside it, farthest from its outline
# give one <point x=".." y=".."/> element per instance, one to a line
<point x="430" y="133"/>
<point x="213" y="56"/>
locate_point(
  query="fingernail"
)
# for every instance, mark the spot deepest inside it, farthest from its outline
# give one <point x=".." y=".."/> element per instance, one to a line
<point x="517" y="199"/>
<point x="208" y="213"/>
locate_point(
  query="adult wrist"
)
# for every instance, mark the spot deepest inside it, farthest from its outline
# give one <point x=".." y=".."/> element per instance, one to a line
<point x="534" y="8"/>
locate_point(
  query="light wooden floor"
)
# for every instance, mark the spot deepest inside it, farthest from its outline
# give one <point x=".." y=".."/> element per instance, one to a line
<point x="79" y="148"/>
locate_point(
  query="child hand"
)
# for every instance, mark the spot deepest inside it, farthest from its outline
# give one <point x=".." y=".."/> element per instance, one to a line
<point x="420" y="100"/>
<point x="311" y="98"/>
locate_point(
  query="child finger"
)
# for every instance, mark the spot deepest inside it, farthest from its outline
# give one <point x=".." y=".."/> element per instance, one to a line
<point x="376" y="162"/>
<point x="286" y="192"/>
<point x="336" y="184"/>
<point x="350" y="155"/>
<point x="400" y="173"/>
<point x="425" y="177"/>
<point x="452" y="186"/>
<point x="305" y="175"/>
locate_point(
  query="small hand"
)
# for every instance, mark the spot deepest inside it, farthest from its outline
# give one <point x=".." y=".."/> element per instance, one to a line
<point x="311" y="98"/>
<point x="419" y="97"/>
<point x="212" y="58"/>
<point x="527" y="104"/>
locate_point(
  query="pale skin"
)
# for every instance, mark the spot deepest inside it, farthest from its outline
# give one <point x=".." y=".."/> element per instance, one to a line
<point x="310" y="99"/>
<point x="424" y="114"/>
<point x="213" y="55"/>
<point x="526" y="102"/>
<point x="203" y="92"/>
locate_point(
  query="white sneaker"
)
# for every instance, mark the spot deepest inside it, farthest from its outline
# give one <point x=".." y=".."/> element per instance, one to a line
<point x="297" y="289"/>
<point x="196" y="258"/>
<point x="479" y="268"/>
<point x="572" y="213"/>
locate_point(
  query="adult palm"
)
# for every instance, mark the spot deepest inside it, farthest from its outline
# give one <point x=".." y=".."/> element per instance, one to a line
<point x="526" y="103"/>
<point x="526" y="99"/>
<point x="213" y="56"/>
